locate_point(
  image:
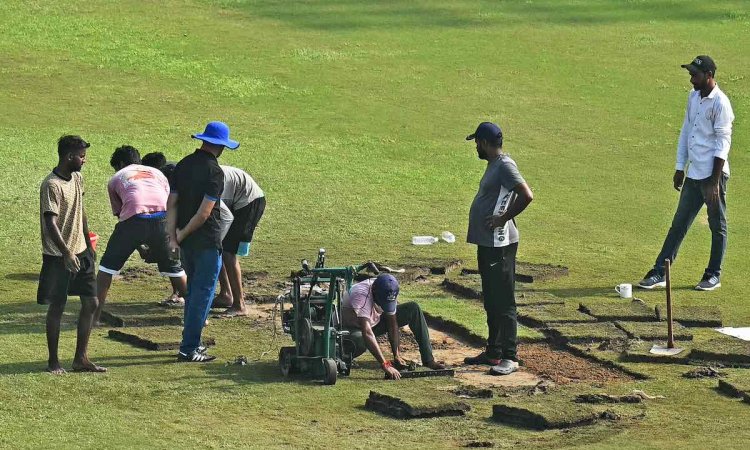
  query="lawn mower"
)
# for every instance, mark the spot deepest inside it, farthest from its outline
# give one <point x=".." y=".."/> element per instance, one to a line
<point x="314" y="321"/>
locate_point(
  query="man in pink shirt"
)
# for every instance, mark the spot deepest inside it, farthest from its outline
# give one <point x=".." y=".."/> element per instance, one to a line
<point x="138" y="195"/>
<point x="372" y="307"/>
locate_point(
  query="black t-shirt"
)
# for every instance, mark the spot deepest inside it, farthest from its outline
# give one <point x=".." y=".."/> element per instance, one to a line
<point x="196" y="177"/>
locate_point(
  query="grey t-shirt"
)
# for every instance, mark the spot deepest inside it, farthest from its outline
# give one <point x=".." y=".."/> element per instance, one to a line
<point x="239" y="188"/>
<point x="494" y="196"/>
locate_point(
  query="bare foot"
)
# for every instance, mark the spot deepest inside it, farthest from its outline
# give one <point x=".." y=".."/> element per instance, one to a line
<point x="434" y="365"/>
<point x="222" y="301"/>
<point x="87" y="366"/>
<point x="55" y="369"/>
<point x="231" y="312"/>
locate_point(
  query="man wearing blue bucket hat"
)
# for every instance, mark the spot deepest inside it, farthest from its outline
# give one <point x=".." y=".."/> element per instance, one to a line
<point x="193" y="224"/>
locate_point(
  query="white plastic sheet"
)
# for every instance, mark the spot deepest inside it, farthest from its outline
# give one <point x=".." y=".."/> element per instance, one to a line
<point x="740" y="333"/>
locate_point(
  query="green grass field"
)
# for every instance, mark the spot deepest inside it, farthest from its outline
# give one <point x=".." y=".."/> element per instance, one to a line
<point x="352" y="117"/>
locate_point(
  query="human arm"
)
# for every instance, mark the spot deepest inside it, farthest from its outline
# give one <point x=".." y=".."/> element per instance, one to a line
<point x="372" y="345"/>
<point x="114" y="198"/>
<point x="53" y="231"/>
<point x="172" y="222"/>
<point x="198" y="219"/>
<point x="394" y="337"/>
<point x="524" y="196"/>
<point x="722" y="125"/>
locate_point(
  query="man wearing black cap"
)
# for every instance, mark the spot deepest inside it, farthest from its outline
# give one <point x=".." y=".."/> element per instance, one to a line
<point x="704" y="147"/>
<point x="502" y="195"/>
<point x="193" y="224"/>
<point x="369" y="301"/>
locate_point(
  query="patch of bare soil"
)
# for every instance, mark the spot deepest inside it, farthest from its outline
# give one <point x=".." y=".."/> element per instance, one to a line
<point x="130" y="274"/>
<point x="539" y="361"/>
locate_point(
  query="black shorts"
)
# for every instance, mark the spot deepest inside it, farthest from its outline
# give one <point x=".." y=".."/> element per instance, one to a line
<point x="56" y="283"/>
<point x="134" y="232"/>
<point x="243" y="225"/>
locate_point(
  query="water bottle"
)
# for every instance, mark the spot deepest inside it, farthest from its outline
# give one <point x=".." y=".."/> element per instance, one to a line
<point x="423" y="240"/>
<point x="448" y="237"/>
<point x="243" y="249"/>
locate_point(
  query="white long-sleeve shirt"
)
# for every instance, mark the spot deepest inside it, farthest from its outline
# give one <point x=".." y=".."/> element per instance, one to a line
<point x="706" y="134"/>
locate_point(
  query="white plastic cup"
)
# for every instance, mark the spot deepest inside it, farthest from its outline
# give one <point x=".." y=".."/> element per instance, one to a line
<point x="423" y="240"/>
<point x="625" y="290"/>
<point x="448" y="237"/>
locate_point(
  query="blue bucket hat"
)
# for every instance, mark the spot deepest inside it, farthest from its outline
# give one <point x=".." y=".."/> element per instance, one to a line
<point x="217" y="133"/>
<point x="385" y="291"/>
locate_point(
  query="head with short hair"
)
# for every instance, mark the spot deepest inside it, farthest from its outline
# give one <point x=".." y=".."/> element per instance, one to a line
<point x="124" y="156"/>
<point x="71" y="152"/>
<point x="156" y="160"/>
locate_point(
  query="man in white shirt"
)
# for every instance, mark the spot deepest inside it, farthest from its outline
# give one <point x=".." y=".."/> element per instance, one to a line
<point x="704" y="148"/>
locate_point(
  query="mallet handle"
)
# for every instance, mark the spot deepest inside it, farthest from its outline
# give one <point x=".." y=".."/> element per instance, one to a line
<point x="670" y="331"/>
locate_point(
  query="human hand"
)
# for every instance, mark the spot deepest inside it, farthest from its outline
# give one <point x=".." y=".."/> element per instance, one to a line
<point x="678" y="179"/>
<point x="400" y="363"/>
<point x="72" y="264"/>
<point x="495" y="221"/>
<point x="179" y="235"/>
<point x="390" y="372"/>
<point x="711" y="194"/>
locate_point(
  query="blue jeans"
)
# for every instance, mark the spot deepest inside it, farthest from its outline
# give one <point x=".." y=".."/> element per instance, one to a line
<point x="202" y="267"/>
<point x="692" y="199"/>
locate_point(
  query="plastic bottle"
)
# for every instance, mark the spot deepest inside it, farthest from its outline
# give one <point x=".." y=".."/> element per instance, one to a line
<point x="448" y="237"/>
<point x="423" y="240"/>
<point x="243" y="249"/>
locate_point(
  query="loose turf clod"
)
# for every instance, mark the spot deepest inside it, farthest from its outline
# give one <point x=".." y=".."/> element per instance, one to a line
<point x="704" y="372"/>
<point x="544" y="315"/>
<point x="631" y="311"/>
<point x="724" y="349"/>
<point x="469" y="391"/>
<point x="586" y="332"/>
<point x="153" y="338"/>
<point x="400" y="409"/>
<point x="692" y="316"/>
<point x="607" y="398"/>
<point x="652" y="331"/>
<point x="543" y="417"/>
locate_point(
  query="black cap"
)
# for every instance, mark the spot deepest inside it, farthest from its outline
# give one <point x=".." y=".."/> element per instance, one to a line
<point x="488" y="131"/>
<point x="701" y="63"/>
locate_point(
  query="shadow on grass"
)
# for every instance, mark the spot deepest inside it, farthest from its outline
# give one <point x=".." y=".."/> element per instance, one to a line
<point x="20" y="368"/>
<point x="354" y="14"/>
<point x="23" y="276"/>
<point x="28" y="317"/>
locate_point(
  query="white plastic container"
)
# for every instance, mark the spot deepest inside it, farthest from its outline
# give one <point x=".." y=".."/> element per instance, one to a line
<point x="448" y="237"/>
<point x="423" y="240"/>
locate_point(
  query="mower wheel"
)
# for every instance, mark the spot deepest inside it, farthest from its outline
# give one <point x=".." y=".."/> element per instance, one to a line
<point x="331" y="371"/>
<point x="305" y="337"/>
<point x="285" y="360"/>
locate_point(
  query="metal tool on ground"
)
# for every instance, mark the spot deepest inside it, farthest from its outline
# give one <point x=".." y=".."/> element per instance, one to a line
<point x="426" y="373"/>
<point x="314" y="321"/>
<point x="670" y="349"/>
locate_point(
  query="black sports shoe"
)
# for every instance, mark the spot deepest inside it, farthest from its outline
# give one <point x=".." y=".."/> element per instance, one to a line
<point x="652" y="279"/>
<point x="194" y="356"/>
<point x="481" y="359"/>
<point x="708" y="283"/>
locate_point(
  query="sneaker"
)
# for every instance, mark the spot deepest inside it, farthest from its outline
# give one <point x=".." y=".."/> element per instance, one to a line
<point x="481" y="359"/>
<point x="708" y="283"/>
<point x="652" y="279"/>
<point x="194" y="356"/>
<point x="506" y="367"/>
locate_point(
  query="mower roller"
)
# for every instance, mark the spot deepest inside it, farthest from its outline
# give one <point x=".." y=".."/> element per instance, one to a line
<point x="314" y="321"/>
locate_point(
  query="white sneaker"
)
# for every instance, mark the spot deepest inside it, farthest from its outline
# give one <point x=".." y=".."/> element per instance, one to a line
<point x="506" y="367"/>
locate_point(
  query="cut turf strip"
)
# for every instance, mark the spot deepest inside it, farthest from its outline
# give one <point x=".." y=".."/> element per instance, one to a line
<point x="736" y="389"/>
<point x="153" y="338"/>
<point x="140" y="314"/>
<point x="543" y="417"/>
<point x="653" y="331"/>
<point x="533" y="273"/>
<point x="692" y="316"/>
<point x="724" y="349"/>
<point x="468" y="286"/>
<point x="544" y="315"/>
<point x="585" y="332"/>
<point x="630" y="311"/>
<point x="400" y="409"/>
<point x="606" y="358"/>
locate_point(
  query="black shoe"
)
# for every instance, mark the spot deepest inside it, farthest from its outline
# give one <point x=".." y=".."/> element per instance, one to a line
<point x="481" y="359"/>
<point x="708" y="283"/>
<point x="652" y="279"/>
<point x="194" y="356"/>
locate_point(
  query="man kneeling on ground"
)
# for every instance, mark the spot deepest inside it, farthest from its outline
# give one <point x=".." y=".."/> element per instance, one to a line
<point x="362" y="309"/>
